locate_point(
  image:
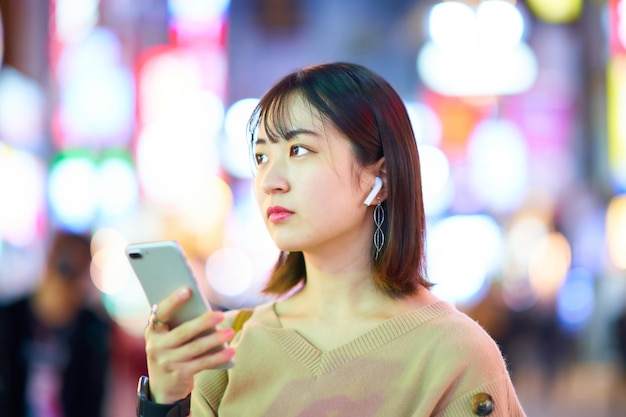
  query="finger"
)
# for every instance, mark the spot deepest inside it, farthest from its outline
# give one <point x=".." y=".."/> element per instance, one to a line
<point x="171" y="303"/>
<point x="154" y="324"/>
<point x="214" y="361"/>
<point x="206" y="323"/>
<point x="209" y="361"/>
<point x="202" y="346"/>
<point x="206" y="352"/>
<point x="184" y="333"/>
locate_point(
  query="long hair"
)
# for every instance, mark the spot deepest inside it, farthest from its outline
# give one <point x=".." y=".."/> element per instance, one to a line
<point x="371" y="114"/>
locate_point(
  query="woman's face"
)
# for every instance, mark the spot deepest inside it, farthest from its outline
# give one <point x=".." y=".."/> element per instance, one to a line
<point x="309" y="187"/>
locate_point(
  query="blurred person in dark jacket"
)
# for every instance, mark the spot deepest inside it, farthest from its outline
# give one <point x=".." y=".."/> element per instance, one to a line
<point x="54" y="347"/>
<point x="618" y="400"/>
<point x="620" y="327"/>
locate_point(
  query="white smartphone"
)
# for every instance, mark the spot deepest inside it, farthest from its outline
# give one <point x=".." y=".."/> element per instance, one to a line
<point x="162" y="268"/>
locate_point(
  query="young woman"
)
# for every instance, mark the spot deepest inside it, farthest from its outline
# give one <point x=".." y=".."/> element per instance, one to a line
<point x="354" y="330"/>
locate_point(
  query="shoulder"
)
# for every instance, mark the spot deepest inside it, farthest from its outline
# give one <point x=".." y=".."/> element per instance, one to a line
<point x="452" y="339"/>
<point x="15" y="323"/>
<point x="461" y="343"/>
<point x="465" y="330"/>
<point x="14" y="304"/>
<point x="15" y="309"/>
<point x="468" y="362"/>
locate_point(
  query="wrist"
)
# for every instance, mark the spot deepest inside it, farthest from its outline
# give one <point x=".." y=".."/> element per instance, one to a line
<point x="147" y="407"/>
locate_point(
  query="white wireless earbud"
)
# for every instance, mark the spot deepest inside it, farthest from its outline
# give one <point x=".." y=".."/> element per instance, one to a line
<point x="378" y="184"/>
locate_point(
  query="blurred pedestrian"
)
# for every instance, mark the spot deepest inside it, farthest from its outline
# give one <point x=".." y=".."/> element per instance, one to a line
<point x="618" y="400"/>
<point x="54" y="347"/>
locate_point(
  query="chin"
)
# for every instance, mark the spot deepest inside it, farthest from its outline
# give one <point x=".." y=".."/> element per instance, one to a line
<point x="288" y="249"/>
<point x="285" y="242"/>
<point x="287" y="246"/>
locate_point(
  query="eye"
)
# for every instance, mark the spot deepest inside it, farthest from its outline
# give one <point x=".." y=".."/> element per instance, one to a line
<point x="297" y="150"/>
<point x="260" y="158"/>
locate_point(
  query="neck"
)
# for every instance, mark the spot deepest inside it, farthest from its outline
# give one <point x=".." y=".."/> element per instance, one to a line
<point x="339" y="292"/>
<point x="341" y="289"/>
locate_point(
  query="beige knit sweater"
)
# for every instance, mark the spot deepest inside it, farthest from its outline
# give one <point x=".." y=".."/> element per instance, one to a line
<point x="433" y="361"/>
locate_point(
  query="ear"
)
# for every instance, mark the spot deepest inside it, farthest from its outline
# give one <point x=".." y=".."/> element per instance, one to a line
<point x="379" y="189"/>
<point x="382" y="173"/>
<point x="378" y="184"/>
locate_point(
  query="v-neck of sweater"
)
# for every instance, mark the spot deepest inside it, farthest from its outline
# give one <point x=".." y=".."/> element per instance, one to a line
<point x="319" y="362"/>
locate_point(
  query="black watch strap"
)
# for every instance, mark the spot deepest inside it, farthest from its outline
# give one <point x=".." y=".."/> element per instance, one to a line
<point x="148" y="408"/>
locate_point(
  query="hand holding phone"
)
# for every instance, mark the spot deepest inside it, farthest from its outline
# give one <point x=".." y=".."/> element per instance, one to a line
<point x="162" y="270"/>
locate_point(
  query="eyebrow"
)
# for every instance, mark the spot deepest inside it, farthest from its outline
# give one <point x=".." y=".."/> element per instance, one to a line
<point x="289" y="135"/>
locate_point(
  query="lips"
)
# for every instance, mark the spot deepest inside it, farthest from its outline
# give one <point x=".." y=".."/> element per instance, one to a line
<point x="276" y="214"/>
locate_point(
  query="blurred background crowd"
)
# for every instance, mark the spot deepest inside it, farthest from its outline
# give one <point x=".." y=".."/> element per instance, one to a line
<point x="125" y="120"/>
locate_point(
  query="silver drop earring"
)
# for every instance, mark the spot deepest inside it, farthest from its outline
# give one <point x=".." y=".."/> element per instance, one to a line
<point x="379" y="236"/>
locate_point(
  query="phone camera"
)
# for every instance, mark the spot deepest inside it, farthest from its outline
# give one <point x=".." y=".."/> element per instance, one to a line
<point x="135" y="255"/>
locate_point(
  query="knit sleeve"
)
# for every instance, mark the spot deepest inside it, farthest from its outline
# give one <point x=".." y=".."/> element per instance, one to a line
<point x="496" y="398"/>
<point x="477" y="382"/>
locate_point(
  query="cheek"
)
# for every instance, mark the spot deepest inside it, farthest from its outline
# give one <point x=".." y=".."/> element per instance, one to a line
<point x="339" y="194"/>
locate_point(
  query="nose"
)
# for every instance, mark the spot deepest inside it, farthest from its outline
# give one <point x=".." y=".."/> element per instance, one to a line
<point x="272" y="178"/>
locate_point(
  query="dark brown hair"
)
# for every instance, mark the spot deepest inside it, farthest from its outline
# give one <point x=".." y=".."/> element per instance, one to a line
<point x="371" y="114"/>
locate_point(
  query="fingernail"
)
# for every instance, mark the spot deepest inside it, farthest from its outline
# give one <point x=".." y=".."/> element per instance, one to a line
<point x="183" y="293"/>
<point x="228" y="333"/>
<point x="218" y="315"/>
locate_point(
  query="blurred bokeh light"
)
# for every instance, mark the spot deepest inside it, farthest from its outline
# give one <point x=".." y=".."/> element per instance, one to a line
<point x="22" y="110"/>
<point x="557" y="11"/>
<point x="476" y="51"/>
<point x="22" y="187"/>
<point x="464" y="252"/>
